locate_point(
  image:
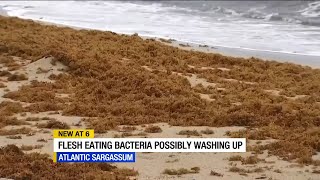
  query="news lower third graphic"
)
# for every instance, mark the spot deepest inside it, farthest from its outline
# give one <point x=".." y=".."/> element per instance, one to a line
<point x="81" y="146"/>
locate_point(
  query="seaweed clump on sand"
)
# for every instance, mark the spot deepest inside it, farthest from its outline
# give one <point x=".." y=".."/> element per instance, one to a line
<point x="15" y="164"/>
<point x="110" y="84"/>
<point x="8" y="108"/>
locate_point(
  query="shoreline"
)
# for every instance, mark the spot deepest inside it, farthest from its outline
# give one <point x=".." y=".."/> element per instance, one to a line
<point x="283" y="57"/>
<point x="299" y="59"/>
<point x="266" y="55"/>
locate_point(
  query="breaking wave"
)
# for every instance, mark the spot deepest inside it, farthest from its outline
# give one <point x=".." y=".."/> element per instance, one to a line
<point x="313" y="10"/>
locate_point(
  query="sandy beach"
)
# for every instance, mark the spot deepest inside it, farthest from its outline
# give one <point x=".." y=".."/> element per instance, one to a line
<point x="120" y="85"/>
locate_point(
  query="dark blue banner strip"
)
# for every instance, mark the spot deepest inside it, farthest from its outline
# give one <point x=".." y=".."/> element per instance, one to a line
<point x="127" y="157"/>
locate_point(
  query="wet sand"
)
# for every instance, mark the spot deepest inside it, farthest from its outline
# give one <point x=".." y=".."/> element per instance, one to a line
<point x="306" y="60"/>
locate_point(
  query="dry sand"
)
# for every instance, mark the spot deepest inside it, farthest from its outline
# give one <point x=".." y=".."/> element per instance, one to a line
<point x="151" y="165"/>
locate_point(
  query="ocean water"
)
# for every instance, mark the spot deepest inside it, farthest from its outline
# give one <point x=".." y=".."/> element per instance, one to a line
<point x="273" y="26"/>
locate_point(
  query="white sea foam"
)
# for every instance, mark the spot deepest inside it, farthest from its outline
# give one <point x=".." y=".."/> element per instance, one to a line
<point x="313" y="10"/>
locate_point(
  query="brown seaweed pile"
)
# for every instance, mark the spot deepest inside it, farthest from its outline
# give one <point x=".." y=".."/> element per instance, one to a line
<point x="14" y="164"/>
<point x="107" y="81"/>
